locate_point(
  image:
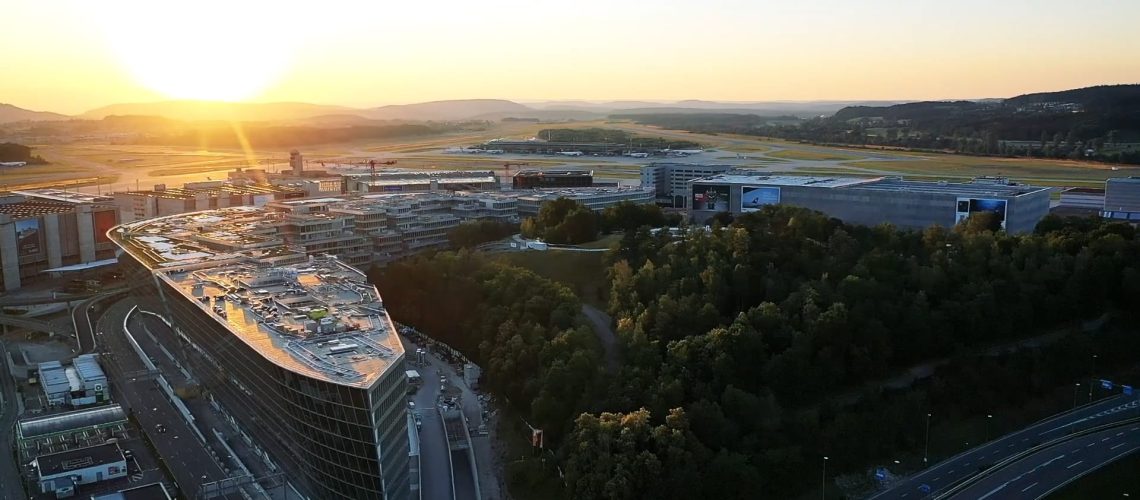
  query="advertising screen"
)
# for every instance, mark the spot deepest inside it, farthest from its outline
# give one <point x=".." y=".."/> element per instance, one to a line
<point x="713" y="197"/>
<point x="968" y="206"/>
<point x="28" y="236"/>
<point x="752" y="198"/>
<point x="104" y="221"/>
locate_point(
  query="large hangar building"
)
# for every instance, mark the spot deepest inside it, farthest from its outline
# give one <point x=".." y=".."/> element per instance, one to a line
<point x="873" y="201"/>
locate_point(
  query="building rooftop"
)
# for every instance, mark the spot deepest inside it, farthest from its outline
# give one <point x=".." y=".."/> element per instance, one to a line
<point x="214" y="188"/>
<point x="65" y="196"/>
<point x="63" y="422"/>
<point x="1125" y="180"/>
<point x="320" y="318"/>
<point x="553" y="173"/>
<point x="152" y="491"/>
<point x="53" y="377"/>
<point x="979" y="187"/>
<point x="576" y="193"/>
<point x="81" y="458"/>
<point x="36" y="208"/>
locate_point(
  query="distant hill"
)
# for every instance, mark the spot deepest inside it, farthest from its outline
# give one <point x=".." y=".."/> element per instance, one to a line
<point x="463" y="109"/>
<point x="10" y="113"/>
<point x="214" y="110"/>
<point x="803" y="109"/>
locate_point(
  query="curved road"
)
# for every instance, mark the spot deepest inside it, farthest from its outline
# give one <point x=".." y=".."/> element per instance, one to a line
<point x="950" y="471"/>
<point x="1046" y="471"/>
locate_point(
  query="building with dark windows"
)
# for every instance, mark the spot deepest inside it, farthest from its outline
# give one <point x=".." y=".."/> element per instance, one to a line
<point x="298" y="348"/>
<point x="538" y="179"/>
<point x="873" y="201"/>
<point x="51" y="230"/>
<point x="670" y="181"/>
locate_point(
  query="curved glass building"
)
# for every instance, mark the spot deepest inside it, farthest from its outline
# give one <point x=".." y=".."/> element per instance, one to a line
<point x="297" y="348"/>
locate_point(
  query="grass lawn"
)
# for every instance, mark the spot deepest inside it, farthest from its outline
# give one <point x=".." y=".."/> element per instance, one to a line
<point x="582" y="272"/>
<point x="801" y="154"/>
<point x="1113" y="481"/>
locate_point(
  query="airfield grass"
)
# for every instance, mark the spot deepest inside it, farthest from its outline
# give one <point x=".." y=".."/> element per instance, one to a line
<point x="810" y="155"/>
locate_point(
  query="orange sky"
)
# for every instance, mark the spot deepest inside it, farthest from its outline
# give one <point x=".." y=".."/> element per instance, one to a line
<point x="72" y="55"/>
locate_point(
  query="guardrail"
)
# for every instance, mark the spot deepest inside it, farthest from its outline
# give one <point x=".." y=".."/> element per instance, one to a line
<point x="967" y="482"/>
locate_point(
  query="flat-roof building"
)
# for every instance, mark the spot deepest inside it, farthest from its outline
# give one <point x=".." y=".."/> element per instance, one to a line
<point x="873" y="201"/>
<point x="46" y="434"/>
<point x="1122" y="198"/>
<point x="303" y="355"/>
<point x="49" y="229"/>
<point x="550" y="179"/>
<point x="407" y="181"/>
<point x="194" y="196"/>
<point x="83" y="383"/>
<point x="61" y="473"/>
<point x="596" y="199"/>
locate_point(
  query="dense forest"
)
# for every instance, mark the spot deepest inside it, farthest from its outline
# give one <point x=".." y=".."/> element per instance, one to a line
<point x="566" y="221"/>
<point x="751" y="350"/>
<point x="1095" y="123"/>
<point x="611" y="136"/>
<point x="10" y="151"/>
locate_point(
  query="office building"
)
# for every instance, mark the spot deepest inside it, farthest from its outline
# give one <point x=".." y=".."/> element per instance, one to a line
<point x="552" y="179"/>
<point x="194" y="196"/>
<point x="670" y="181"/>
<point x="303" y="355"/>
<point x="873" y="201"/>
<point x="1122" y="198"/>
<point x="406" y="181"/>
<point x="61" y="473"/>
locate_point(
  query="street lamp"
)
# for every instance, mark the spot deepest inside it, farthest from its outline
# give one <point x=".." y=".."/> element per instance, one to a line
<point x="823" y="482"/>
<point x="988" y="419"/>
<point x="926" y="449"/>
<point x="1092" y="373"/>
<point x="1076" y="387"/>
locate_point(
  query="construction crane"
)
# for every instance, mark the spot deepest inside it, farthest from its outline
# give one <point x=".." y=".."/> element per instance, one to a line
<point x="507" y="170"/>
<point x="372" y="167"/>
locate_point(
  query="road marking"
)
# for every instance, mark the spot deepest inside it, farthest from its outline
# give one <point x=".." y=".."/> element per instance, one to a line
<point x="1023" y="490"/>
<point x="1010" y="445"/>
<point x="904" y="495"/>
<point x="967" y="464"/>
<point x="1078" y="462"/>
<point x="1118" y="434"/>
<point x="995" y="452"/>
<point x="1024" y="440"/>
<point x="1105" y="439"/>
<point x="951" y="471"/>
<point x="1134" y="428"/>
<point x="1117" y="446"/>
<point x="936" y="479"/>
<point x="1090" y="445"/>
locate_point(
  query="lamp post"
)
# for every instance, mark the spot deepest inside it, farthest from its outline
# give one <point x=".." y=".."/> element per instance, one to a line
<point x="1076" y="387"/>
<point x="1092" y="373"/>
<point x="988" y="419"/>
<point x="926" y="449"/>
<point x="823" y="482"/>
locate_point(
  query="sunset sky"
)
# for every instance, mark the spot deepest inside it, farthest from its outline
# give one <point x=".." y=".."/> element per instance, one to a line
<point x="73" y="55"/>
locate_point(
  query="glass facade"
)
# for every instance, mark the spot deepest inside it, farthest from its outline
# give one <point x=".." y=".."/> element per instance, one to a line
<point x="332" y="440"/>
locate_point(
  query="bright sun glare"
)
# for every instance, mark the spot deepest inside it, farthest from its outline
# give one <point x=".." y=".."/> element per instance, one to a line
<point x="207" y="49"/>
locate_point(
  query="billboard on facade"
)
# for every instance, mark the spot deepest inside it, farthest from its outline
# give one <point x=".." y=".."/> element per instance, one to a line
<point x="28" y="235"/>
<point x="710" y="197"/>
<point x="103" y="221"/>
<point x="753" y="198"/>
<point x="968" y="206"/>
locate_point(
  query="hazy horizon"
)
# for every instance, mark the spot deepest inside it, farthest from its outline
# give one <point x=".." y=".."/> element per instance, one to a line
<point x="74" y="56"/>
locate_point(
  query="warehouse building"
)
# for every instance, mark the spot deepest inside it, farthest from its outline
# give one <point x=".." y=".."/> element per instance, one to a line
<point x="45" y="230"/>
<point x="873" y="201"/>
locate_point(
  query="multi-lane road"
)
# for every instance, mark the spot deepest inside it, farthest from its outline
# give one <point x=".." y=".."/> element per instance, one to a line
<point x="940" y="477"/>
<point x="1047" y="470"/>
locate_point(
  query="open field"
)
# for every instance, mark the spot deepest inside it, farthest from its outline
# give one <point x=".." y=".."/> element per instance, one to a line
<point x="800" y="154"/>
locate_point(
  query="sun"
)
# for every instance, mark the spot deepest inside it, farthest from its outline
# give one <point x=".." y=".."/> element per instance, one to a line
<point x="207" y="49"/>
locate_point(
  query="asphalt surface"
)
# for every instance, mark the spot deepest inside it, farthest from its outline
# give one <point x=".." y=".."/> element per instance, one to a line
<point x="945" y="474"/>
<point x="178" y="448"/>
<point x="435" y="470"/>
<point x="10" y="482"/>
<point x="1048" y="470"/>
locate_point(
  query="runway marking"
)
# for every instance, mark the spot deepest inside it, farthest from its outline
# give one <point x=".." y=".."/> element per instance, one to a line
<point x="1023" y="490"/>
<point x="1078" y="462"/>
<point x="1117" y="446"/>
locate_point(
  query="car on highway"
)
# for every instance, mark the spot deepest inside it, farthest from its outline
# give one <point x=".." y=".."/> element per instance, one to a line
<point x="160" y="428"/>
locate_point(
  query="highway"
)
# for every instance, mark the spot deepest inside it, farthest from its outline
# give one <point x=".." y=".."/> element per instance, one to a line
<point x="952" y="470"/>
<point x="135" y="389"/>
<point x="10" y="483"/>
<point x="1046" y="471"/>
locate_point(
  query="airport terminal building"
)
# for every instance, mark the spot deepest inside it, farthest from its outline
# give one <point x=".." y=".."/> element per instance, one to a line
<point x="298" y="348"/>
<point x="873" y="201"/>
